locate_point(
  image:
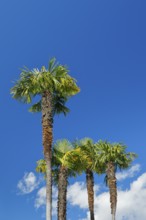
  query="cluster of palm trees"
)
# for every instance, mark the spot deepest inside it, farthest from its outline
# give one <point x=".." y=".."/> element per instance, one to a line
<point x="72" y="159"/>
<point x="52" y="87"/>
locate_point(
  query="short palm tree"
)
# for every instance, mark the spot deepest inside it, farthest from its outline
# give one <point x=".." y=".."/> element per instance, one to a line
<point x="89" y="164"/>
<point x="62" y="155"/>
<point x="63" y="167"/>
<point x="53" y="86"/>
<point x="111" y="157"/>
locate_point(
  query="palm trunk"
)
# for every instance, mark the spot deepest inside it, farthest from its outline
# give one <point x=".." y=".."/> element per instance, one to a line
<point x="112" y="183"/>
<point x="90" y="191"/>
<point x="62" y="193"/>
<point x="47" y="126"/>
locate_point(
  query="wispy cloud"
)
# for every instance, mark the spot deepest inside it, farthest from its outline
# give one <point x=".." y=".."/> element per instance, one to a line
<point x="128" y="173"/>
<point x="28" y="183"/>
<point x="41" y="199"/>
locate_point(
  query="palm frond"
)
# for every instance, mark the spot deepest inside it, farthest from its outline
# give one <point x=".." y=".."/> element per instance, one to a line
<point x="36" y="107"/>
<point x="41" y="166"/>
<point x="59" y="105"/>
<point x="52" y="64"/>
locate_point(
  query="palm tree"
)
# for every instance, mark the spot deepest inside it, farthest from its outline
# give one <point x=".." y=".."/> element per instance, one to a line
<point x="53" y="86"/>
<point x="63" y="168"/>
<point x="90" y="164"/>
<point x="111" y="157"/>
<point x="63" y="150"/>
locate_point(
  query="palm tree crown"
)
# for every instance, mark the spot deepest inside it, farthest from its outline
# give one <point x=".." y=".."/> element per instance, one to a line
<point x="55" y="80"/>
<point x="115" y="153"/>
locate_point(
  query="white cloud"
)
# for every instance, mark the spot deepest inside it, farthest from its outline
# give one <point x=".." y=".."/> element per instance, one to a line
<point x="28" y="183"/>
<point x="128" y="173"/>
<point x="77" y="195"/>
<point x="131" y="202"/>
<point x="41" y="199"/>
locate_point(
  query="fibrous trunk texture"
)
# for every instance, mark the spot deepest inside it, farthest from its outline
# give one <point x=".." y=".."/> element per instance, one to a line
<point x="112" y="183"/>
<point x="47" y="126"/>
<point x="62" y="193"/>
<point x="90" y="191"/>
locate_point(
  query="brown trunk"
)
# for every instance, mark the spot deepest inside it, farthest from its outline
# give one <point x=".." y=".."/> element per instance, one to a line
<point x="47" y="125"/>
<point x="90" y="191"/>
<point x="62" y="193"/>
<point x="112" y="183"/>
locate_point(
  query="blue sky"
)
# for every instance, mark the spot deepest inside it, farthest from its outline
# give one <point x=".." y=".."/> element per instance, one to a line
<point x="103" y="43"/>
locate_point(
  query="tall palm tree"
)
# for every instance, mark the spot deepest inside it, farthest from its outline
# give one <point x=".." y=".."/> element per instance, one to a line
<point x="111" y="157"/>
<point x="63" y="168"/>
<point x="90" y="164"/>
<point x="53" y="86"/>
